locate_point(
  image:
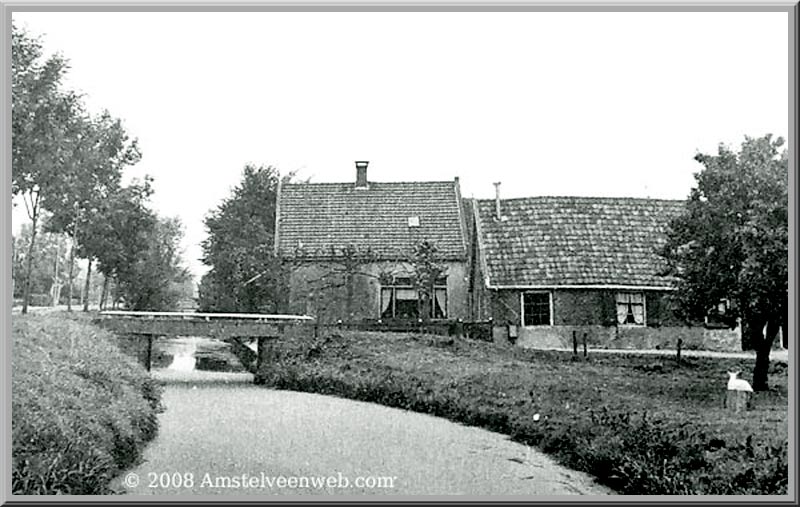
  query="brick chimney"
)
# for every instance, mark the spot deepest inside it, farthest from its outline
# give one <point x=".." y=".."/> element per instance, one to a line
<point x="361" y="173"/>
<point x="498" y="214"/>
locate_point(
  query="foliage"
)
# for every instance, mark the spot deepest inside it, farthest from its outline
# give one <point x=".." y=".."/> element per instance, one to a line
<point x="245" y="274"/>
<point x="732" y="241"/>
<point x="43" y="128"/>
<point x="427" y="269"/>
<point x="82" y="410"/>
<point x="47" y="248"/>
<point x="156" y="279"/>
<point x="637" y="431"/>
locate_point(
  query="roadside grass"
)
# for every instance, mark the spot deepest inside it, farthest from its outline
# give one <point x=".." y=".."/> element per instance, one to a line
<point x="81" y="409"/>
<point x="640" y="424"/>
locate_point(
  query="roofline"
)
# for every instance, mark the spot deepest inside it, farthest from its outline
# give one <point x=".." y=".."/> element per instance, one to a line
<point x="321" y="183"/>
<point x="276" y="236"/>
<point x="479" y="237"/>
<point x="461" y="218"/>
<point x="588" y="286"/>
<point x="328" y="258"/>
<point x="590" y="197"/>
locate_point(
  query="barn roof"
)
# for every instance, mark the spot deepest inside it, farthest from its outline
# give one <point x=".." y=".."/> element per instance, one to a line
<point x="574" y="241"/>
<point x="314" y="217"/>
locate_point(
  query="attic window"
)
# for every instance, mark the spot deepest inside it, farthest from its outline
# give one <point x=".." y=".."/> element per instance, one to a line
<point x="413" y="221"/>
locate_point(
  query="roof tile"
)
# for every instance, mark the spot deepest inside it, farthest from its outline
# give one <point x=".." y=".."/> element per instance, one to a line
<point x="317" y="216"/>
<point x="576" y="240"/>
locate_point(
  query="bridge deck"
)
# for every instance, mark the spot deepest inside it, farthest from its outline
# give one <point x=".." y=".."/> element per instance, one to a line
<point x="215" y="325"/>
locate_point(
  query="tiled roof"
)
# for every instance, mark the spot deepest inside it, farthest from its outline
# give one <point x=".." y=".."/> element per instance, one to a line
<point x="553" y="241"/>
<point x="313" y="217"/>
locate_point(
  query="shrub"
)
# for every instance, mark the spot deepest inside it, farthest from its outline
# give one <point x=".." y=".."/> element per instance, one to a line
<point x="81" y="409"/>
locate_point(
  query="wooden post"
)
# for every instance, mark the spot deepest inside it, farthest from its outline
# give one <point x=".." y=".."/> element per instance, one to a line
<point x="574" y="343"/>
<point x="149" y="358"/>
<point x="680" y="342"/>
<point x="585" y="352"/>
<point x="736" y="401"/>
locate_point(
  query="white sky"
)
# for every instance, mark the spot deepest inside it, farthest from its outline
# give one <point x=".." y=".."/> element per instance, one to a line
<point x="591" y="104"/>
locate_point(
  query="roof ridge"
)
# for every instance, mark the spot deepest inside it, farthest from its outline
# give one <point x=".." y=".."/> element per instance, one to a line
<point x="593" y="198"/>
<point x="299" y="183"/>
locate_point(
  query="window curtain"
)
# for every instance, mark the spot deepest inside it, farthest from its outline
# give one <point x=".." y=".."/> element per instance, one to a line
<point x="386" y="301"/>
<point x="622" y="308"/>
<point x="441" y="303"/>
<point x="632" y="301"/>
<point x="638" y="313"/>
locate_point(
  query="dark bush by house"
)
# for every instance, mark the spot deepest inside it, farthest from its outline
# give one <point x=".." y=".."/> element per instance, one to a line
<point x="81" y="410"/>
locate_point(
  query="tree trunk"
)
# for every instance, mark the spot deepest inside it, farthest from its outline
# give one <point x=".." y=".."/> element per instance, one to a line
<point x="785" y="321"/>
<point x="70" y="275"/>
<point x="26" y="294"/>
<point x="72" y="256"/>
<point x="350" y="295"/>
<point x="763" y="349"/>
<point x="56" y="289"/>
<point x="104" y="293"/>
<point x="87" y="286"/>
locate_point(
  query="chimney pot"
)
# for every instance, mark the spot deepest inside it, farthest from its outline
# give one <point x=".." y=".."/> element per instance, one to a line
<point x="497" y="201"/>
<point x="361" y="173"/>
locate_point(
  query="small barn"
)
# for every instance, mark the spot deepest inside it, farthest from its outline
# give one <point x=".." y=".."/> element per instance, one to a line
<point x="349" y="248"/>
<point x="547" y="267"/>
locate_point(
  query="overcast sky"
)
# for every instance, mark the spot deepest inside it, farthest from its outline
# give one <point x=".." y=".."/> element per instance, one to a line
<point x="589" y="104"/>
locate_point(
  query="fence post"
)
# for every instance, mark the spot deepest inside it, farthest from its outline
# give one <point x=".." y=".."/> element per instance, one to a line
<point x="574" y="343"/>
<point x="680" y="342"/>
<point x="149" y="359"/>
<point x="585" y="352"/>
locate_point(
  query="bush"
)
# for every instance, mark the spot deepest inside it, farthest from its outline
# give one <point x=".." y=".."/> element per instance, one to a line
<point x="638" y="429"/>
<point x="81" y="409"/>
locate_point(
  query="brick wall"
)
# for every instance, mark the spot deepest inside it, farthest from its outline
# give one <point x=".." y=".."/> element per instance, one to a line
<point x="594" y="312"/>
<point x="329" y="304"/>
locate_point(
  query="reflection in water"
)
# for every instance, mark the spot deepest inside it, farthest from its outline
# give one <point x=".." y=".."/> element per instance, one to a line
<point x="183" y="362"/>
<point x="184" y="358"/>
<point x="194" y="353"/>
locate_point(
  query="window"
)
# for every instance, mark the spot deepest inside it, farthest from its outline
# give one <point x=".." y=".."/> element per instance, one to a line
<point x="401" y="300"/>
<point x="630" y="308"/>
<point x="536" y="309"/>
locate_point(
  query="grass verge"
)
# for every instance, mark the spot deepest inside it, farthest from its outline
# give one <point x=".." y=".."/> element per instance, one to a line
<point x="641" y="425"/>
<point x="81" y="409"/>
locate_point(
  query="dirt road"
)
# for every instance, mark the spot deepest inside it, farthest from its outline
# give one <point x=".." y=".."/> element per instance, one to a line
<point x="222" y="435"/>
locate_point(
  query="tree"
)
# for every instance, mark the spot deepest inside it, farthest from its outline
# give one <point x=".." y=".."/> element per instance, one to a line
<point x="42" y="123"/>
<point x="156" y="280"/>
<point x="245" y="274"/>
<point x="117" y="231"/>
<point x="732" y="243"/>
<point x="101" y="151"/>
<point x="46" y="268"/>
<point x="427" y="270"/>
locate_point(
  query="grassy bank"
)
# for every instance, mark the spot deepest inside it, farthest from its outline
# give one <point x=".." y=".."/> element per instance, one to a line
<point x="81" y="409"/>
<point x="641" y="425"/>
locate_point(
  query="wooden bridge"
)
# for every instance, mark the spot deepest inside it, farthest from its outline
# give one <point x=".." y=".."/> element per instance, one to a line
<point x="214" y="325"/>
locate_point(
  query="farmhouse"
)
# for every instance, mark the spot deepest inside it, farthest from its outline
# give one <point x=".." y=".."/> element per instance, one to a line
<point x="350" y="247"/>
<point x="545" y="267"/>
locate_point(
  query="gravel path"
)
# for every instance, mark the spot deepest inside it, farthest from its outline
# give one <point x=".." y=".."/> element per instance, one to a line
<point x="221" y="432"/>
